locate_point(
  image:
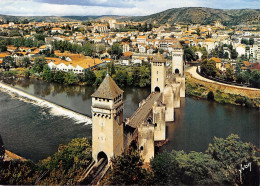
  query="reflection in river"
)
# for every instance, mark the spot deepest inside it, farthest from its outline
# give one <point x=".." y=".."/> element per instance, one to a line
<point x="32" y="132"/>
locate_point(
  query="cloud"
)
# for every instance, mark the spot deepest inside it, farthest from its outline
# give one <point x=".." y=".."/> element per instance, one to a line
<point x="105" y="3"/>
<point x="111" y="7"/>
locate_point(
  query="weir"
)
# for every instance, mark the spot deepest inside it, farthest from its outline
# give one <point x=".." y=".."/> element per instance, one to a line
<point x="56" y="109"/>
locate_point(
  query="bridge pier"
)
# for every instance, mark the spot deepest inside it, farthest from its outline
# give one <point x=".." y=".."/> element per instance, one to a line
<point x="146" y="141"/>
<point x="159" y="122"/>
<point x="168" y="100"/>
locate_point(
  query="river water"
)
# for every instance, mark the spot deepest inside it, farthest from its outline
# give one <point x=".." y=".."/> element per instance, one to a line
<point x="34" y="133"/>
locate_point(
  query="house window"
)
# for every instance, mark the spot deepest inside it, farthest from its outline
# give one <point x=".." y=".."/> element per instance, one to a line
<point x="157" y="79"/>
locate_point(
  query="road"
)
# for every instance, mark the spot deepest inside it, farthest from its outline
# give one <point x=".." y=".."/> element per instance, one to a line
<point x="194" y="74"/>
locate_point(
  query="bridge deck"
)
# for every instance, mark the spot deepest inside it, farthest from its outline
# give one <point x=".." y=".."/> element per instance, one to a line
<point x="141" y="114"/>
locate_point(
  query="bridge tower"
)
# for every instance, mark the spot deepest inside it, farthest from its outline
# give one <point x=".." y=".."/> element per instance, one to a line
<point x="178" y="66"/>
<point x="177" y="59"/>
<point x="107" y="120"/>
<point x="158" y="73"/>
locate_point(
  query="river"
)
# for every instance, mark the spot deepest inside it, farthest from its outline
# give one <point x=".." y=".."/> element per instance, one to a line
<point x="35" y="133"/>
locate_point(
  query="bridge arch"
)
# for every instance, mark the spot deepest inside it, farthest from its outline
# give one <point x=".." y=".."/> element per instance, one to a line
<point x="177" y="71"/>
<point x="101" y="155"/>
<point x="157" y="89"/>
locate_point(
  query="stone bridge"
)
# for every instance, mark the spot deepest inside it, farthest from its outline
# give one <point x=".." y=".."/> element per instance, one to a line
<point x="111" y="135"/>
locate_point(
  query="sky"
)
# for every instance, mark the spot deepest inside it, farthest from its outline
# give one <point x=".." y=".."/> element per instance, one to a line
<point x="111" y="7"/>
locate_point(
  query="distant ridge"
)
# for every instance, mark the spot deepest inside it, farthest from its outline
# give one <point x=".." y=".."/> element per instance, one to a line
<point x="56" y="18"/>
<point x="188" y="15"/>
<point x="200" y="15"/>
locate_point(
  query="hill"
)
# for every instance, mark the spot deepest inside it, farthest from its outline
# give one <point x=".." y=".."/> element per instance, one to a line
<point x="200" y="15"/>
<point x="35" y="18"/>
<point x="55" y="18"/>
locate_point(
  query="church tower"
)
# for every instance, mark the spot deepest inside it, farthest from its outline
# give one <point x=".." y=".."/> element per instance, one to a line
<point x="158" y="73"/>
<point x="107" y="120"/>
<point x="177" y="59"/>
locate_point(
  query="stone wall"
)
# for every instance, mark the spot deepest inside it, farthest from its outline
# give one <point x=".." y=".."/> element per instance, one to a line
<point x="229" y="89"/>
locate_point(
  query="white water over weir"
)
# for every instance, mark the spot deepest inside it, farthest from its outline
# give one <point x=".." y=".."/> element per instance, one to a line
<point x="55" y="109"/>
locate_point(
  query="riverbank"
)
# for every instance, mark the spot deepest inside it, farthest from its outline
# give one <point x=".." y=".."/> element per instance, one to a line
<point x="9" y="156"/>
<point x="56" y="110"/>
<point x="199" y="87"/>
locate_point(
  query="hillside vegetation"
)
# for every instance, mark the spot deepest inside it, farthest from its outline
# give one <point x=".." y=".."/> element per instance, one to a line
<point x="201" y="15"/>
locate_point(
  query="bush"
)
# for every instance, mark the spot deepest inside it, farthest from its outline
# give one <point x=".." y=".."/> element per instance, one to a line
<point x="210" y="95"/>
<point x="240" y="101"/>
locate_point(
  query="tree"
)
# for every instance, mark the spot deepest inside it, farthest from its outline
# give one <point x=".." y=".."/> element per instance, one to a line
<point x="145" y="76"/>
<point x="47" y="74"/>
<point x="209" y="67"/>
<point x="189" y="54"/>
<point x="127" y="170"/>
<point x="251" y="41"/>
<point x="195" y="168"/>
<point x="245" y="41"/>
<point x="17" y="172"/>
<point x="226" y="55"/>
<point x="8" y="62"/>
<point x="233" y="153"/>
<point x="68" y="164"/>
<point x="255" y="78"/>
<point x="88" y="49"/>
<point x="238" y="68"/>
<point x="70" y="78"/>
<point x="127" y="40"/>
<point x="234" y="54"/>
<point x="229" y="74"/>
<point x="59" y="77"/>
<point x="116" y="50"/>
<point x="26" y="62"/>
<point x="122" y="78"/>
<point x="198" y="31"/>
<point x="39" y="63"/>
<point x="90" y="77"/>
<point x="210" y="95"/>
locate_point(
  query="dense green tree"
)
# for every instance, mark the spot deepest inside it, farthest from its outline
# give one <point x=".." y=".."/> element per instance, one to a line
<point x="198" y="31"/>
<point x="208" y="67"/>
<point x="89" y="77"/>
<point x="238" y="68"/>
<point x="111" y="68"/>
<point x="59" y="77"/>
<point x="233" y="153"/>
<point x="255" y="78"/>
<point x="245" y="41"/>
<point x="210" y="95"/>
<point x="116" y="50"/>
<point x="47" y="74"/>
<point x="251" y="41"/>
<point x="8" y="62"/>
<point x="189" y="54"/>
<point x="229" y="74"/>
<point x="145" y="76"/>
<point x="25" y="62"/>
<point x="17" y="172"/>
<point x="234" y="54"/>
<point x="89" y="49"/>
<point x="127" y="39"/>
<point x="38" y="64"/>
<point x="226" y="55"/>
<point x="179" y="168"/>
<point x="70" y="78"/>
<point x="127" y="170"/>
<point x="122" y="78"/>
